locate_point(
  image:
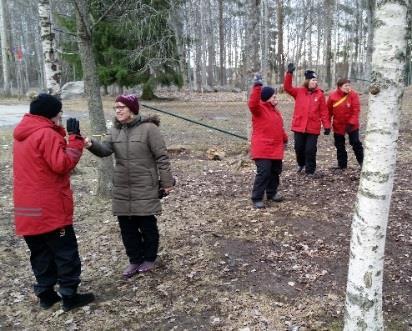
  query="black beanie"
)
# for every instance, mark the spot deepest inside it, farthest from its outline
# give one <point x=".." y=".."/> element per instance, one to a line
<point x="309" y="74"/>
<point x="267" y="92"/>
<point x="45" y="105"/>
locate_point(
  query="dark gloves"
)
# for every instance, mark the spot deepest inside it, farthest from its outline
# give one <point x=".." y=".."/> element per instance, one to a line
<point x="258" y="80"/>
<point x="326" y="132"/>
<point x="73" y="126"/>
<point x="162" y="191"/>
<point x="349" y="128"/>
<point x="291" y="68"/>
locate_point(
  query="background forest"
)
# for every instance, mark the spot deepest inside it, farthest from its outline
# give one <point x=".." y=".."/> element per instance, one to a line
<point x="208" y="45"/>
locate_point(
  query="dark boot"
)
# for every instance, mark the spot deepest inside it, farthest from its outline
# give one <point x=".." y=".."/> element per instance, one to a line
<point x="77" y="300"/>
<point x="48" y="299"/>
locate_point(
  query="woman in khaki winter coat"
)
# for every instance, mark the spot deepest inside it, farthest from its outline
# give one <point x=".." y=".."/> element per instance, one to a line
<point x="142" y="167"/>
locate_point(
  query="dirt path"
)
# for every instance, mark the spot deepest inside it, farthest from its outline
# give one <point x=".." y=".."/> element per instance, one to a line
<point x="222" y="265"/>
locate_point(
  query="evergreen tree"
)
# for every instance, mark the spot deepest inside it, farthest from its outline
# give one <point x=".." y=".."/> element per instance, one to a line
<point x="134" y="44"/>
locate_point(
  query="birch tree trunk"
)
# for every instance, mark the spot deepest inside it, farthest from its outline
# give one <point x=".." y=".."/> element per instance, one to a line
<point x="211" y="52"/>
<point x="370" y="14"/>
<point x="222" y="49"/>
<point x="51" y="65"/>
<point x="203" y="45"/>
<point x="280" y="56"/>
<point x="5" y="47"/>
<point x="364" y="288"/>
<point x="92" y="91"/>
<point x="264" y="41"/>
<point x="329" y="5"/>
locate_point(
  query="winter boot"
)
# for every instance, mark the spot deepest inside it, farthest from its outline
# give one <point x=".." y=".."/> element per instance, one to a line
<point x="48" y="298"/>
<point x="276" y="198"/>
<point x="146" y="266"/>
<point x="131" y="270"/>
<point x="258" y="205"/>
<point x="77" y="300"/>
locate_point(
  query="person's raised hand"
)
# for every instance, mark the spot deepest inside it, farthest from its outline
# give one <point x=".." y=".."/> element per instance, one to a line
<point x="291" y="68"/>
<point x="258" y="80"/>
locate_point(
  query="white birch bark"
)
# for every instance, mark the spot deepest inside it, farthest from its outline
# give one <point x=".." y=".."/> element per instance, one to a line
<point x="370" y="13"/>
<point x="364" y="288"/>
<point x="4" y="48"/>
<point x="203" y="46"/>
<point x="51" y="65"/>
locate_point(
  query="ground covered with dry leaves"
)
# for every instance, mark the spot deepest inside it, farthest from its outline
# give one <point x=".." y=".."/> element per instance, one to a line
<point x="222" y="265"/>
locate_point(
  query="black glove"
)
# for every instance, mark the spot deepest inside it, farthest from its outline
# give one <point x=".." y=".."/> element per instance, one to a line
<point x="162" y="192"/>
<point x="326" y="132"/>
<point x="73" y="126"/>
<point x="291" y="68"/>
<point x="258" y="80"/>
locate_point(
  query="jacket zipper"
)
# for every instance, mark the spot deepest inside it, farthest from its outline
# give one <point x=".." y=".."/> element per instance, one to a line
<point x="128" y="167"/>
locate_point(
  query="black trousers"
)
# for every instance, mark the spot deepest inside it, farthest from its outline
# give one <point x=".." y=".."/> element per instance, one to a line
<point x="305" y="149"/>
<point x="140" y="237"/>
<point x="341" y="153"/>
<point x="54" y="258"/>
<point x="267" y="178"/>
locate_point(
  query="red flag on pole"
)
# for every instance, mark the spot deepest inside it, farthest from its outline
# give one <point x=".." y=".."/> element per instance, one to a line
<point x="19" y="54"/>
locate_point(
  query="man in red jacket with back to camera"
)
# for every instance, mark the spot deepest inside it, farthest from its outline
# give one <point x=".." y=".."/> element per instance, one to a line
<point x="267" y="144"/>
<point x="344" y="108"/>
<point x="43" y="200"/>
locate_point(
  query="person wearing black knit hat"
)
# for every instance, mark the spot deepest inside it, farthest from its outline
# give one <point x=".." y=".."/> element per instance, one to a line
<point x="267" y="143"/>
<point x="309" y="113"/>
<point x="43" y="201"/>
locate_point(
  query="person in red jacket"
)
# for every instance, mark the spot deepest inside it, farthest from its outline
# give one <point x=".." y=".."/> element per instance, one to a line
<point x="267" y="143"/>
<point x="309" y="114"/>
<point x="344" y="108"/>
<point x="43" y="200"/>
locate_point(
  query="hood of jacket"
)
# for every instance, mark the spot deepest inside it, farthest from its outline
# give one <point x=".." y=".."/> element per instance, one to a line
<point x="32" y="123"/>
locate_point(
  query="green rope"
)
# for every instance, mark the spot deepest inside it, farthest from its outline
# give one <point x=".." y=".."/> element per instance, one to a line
<point x="196" y="122"/>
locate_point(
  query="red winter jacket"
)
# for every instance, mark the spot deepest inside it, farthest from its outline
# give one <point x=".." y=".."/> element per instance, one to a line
<point x="42" y="161"/>
<point x="268" y="134"/>
<point x="310" y="108"/>
<point x="342" y="111"/>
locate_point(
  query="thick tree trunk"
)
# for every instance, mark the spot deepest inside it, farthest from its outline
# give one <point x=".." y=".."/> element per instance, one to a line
<point x="5" y="47"/>
<point x="364" y="287"/>
<point x="92" y="91"/>
<point x="51" y="64"/>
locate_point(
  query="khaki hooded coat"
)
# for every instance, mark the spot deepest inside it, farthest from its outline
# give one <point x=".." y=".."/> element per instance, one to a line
<point x="141" y="165"/>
